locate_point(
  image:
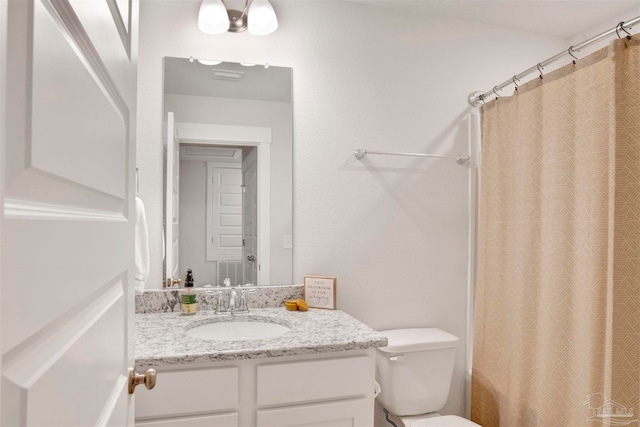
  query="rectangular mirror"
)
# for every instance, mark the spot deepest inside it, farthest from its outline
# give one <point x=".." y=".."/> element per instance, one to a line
<point x="228" y="172"/>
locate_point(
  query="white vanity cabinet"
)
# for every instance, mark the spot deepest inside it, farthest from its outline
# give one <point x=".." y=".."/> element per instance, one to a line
<point x="344" y="385"/>
<point x="190" y="398"/>
<point x="325" y="389"/>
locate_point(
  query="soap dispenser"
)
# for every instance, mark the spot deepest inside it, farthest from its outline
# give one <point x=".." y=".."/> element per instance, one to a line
<point x="189" y="304"/>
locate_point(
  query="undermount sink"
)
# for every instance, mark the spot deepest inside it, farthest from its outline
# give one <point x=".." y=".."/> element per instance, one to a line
<point x="237" y="330"/>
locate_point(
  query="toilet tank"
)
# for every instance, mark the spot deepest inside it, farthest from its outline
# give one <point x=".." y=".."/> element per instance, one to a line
<point x="414" y="370"/>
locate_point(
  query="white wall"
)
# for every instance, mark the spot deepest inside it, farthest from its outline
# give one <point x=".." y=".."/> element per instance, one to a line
<point x="605" y="25"/>
<point x="242" y="112"/>
<point x="193" y="211"/>
<point x="392" y="230"/>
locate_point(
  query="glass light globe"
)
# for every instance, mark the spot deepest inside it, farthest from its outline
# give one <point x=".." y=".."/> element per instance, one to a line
<point x="262" y="18"/>
<point x="213" y="17"/>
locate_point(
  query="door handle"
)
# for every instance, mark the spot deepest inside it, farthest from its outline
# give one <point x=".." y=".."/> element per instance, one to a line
<point x="170" y="282"/>
<point x="251" y="258"/>
<point x="148" y="379"/>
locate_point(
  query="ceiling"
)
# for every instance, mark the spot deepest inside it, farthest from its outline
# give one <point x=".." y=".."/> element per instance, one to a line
<point x="560" y="18"/>
<point x="189" y="77"/>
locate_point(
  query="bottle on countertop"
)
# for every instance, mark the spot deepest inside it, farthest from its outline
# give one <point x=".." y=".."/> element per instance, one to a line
<point x="189" y="304"/>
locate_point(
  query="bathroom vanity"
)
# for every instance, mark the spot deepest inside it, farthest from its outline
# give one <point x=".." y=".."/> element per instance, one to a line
<point x="320" y="372"/>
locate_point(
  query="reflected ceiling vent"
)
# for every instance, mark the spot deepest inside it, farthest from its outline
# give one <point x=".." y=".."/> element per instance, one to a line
<point x="232" y="75"/>
<point x="212" y="151"/>
<point x="201" y="152"/>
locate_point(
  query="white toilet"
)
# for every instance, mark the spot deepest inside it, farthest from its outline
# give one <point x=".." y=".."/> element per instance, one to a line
<point x="414" y="371"/>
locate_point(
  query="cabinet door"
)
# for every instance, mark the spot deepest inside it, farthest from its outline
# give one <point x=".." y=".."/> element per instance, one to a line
<point x="346" y="413"/>
<point x="326" y="379"/>
<point x="224" y="420"/>
<point x="189" y="392"/>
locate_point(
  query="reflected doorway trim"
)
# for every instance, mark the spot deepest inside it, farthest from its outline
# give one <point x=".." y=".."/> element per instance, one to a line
<point x="252" y="136"/>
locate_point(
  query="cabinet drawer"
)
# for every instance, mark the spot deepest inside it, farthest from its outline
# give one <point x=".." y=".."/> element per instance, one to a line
<point x="346" y="413"/>
<point x="286" y="383"/>
<point x="189" y="392"/>
<point x="224" y="420"/>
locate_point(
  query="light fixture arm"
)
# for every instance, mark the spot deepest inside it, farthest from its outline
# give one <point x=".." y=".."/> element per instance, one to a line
<point x="238" y="19"/>
<point x="245" y="8"/>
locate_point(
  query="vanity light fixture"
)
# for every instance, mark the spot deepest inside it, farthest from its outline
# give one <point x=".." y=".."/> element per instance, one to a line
<point x="213" y="18"/>
<point x="262" y="18"/>
<point x="259" y="17"/>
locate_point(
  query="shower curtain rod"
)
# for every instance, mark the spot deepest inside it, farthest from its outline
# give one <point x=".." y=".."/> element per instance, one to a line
<point x="478" y="98"/>
<point x="360" y="153"/>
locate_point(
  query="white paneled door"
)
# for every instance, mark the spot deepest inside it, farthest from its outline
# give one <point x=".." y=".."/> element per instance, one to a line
<point x="67" y="215"/>
<point x="224" y="213"/>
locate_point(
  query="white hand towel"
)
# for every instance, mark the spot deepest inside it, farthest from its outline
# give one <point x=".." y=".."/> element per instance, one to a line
<point x="141" y="248"/>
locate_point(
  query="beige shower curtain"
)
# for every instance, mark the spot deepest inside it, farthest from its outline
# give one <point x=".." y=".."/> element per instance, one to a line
<point x="557" y="303"/>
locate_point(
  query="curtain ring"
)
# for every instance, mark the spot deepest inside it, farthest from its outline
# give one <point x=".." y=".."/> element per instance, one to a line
<point x="621" y="26"/>
<point x="514" y="81"/>
<point x="494" y="91"/>
<point x="623" y="29"/>
<point x="572" y="55"/>
<point x="540" y="68"/>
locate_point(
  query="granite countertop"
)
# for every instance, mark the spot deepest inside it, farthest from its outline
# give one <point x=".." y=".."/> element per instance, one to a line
<point x="161" y="338"/>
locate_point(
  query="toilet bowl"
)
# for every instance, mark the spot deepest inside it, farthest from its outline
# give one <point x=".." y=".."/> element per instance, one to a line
<point x="414" y="371"/>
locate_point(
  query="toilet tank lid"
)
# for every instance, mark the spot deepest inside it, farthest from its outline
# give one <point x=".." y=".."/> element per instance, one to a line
<point x="417" y="339"/>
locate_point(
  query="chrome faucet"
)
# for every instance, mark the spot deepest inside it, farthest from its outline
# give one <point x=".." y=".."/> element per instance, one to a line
<point x="237" y="302"/>
<point x="232" y="300"/>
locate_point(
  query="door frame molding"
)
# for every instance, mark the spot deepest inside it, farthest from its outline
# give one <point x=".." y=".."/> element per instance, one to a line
<point x="4" y="4"/>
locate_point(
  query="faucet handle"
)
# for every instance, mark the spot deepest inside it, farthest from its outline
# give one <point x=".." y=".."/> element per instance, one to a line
<point x="244" y="307"/>
<point x="221" y="306"/>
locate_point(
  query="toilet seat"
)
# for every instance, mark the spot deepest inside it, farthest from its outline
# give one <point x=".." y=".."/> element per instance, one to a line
<point x="444" y="421"/>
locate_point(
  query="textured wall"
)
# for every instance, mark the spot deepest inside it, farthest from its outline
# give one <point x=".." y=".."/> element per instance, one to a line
<point x="392" y="230"/>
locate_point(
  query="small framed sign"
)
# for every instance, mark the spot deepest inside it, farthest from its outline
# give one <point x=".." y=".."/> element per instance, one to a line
<point x="320" y="292"/>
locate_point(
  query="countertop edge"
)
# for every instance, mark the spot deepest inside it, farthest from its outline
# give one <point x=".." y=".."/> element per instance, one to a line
<point x="155" y="362"/>
<point x="161" y="342"/>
